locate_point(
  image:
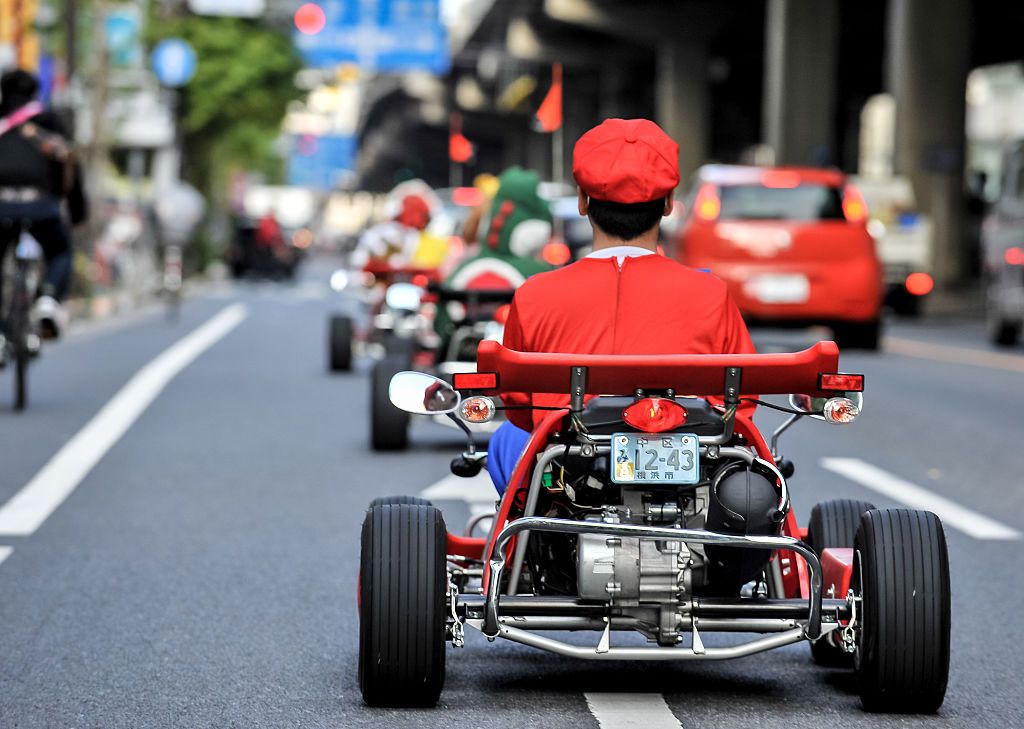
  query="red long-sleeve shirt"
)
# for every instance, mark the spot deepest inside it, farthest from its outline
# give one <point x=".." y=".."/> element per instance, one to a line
<point x="645" y="305"/>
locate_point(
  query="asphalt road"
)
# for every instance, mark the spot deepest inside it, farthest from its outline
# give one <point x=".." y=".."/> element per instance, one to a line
<point x="202" y="572"/>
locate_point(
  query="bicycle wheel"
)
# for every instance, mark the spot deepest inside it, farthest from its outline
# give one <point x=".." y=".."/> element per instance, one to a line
<point x="19" y="332"/>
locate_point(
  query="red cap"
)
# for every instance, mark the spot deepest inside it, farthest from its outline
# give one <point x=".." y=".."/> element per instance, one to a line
<point x="415" y="212"/>
<point x="626" y="161"/>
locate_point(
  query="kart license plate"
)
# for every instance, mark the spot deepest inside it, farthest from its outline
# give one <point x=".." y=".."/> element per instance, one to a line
<point x="646" y="458"/>
<point x="795" y="289"/>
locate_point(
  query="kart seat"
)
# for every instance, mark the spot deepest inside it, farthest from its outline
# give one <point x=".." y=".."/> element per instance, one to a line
<point x="603" y="416"/>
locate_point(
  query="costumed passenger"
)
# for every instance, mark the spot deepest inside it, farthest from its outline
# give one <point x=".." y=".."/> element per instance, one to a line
<point x="624" y="297"/>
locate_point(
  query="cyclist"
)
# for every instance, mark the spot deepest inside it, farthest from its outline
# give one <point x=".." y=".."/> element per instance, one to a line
<point x="37" y="174"/>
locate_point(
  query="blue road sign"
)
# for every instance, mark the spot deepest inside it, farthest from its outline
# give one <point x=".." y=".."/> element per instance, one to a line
<point x="174" y="62"/>
<point x="379" y="35"/>
<point x="321" y="163"/>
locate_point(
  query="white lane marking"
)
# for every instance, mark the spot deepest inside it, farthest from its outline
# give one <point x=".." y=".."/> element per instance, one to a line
<point x="952" y="514"/>
<point x="5" y="552"/>
<point x="631" y="711"/>
<point x="478" y="492"/>
<point x="953" y="355"/>
<point x="31" y="506"/>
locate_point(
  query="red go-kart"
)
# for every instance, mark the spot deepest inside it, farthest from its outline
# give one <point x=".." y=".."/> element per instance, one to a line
<point x="643" y="511"/>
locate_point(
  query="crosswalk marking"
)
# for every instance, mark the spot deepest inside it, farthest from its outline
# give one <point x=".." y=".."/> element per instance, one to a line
<point x="5" y="552"/>
<point x="952" y="514"/>
<point x="631" y="711"/>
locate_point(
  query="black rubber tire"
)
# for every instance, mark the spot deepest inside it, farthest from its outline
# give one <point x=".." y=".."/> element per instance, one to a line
<point x="834" y="524"/>
<point x="339" y="343"/>
<point x="389" y="426"/>
<point x="858" y="335"/>
<point x="21" y="378"/>
<point x="392" y="500"/>
<point x="402" y="608"/>
<point x="1004" y="333"/>
<point x="901" y="571"/>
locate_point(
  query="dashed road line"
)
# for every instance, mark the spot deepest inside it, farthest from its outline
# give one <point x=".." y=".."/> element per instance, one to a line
<point x="5" y="552"/>
<point x="631" y="711"/>
<point x="48" y="489"/>
<point x="952" y="514"/>
<point x="954" y="355"/>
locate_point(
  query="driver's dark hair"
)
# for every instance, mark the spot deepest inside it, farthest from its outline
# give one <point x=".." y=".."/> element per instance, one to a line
<point x="18" y="84"/>
<point x="625" y="221"/>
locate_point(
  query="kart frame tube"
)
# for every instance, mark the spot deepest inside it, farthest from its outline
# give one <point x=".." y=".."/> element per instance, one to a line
<point x="491" y="625"/>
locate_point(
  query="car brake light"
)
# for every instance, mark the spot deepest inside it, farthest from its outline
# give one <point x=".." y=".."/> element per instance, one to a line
<point x="654" y="415"/>
<point x="1014" y="256"/>
<point x="840" y="410"/>
<point x="502" y="312"/>
<point x="475" y="380"/>
<point x="855" y="210"/>
<point x="707" y="205"/>
<point x="838" y="382"/>
<point x="780" y="179"/>
<point x="556" y="253"/>
<point x="919" y="284"/>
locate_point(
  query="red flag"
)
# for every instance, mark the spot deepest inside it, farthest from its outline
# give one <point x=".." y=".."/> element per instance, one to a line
<point x="460" y="149"/>
<point x="549" y="115"/>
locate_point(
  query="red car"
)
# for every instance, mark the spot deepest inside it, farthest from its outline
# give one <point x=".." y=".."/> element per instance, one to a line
<point x="792" y="245"/>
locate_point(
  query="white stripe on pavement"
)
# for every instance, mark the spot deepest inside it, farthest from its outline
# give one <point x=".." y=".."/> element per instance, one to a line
<point x="631" y="711"/>
<point x="953" y="355"/>
<point x="31" y="506"/>
<point x="478" y="492"/>
<point x="952" y="514"/>
<point x="5" y="552"/>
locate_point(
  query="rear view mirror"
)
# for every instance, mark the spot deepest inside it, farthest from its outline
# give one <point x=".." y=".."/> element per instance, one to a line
<point x="421" y="394"/>
<point x="403" y="297"/>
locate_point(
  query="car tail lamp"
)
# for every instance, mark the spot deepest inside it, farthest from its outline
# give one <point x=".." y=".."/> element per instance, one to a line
<point x="707" y="206"/>
<point x="1014" y="256"/>
<point x="475" y="380"/>
<point x="838" y="382"/>
<point x="919" y="284"/>
<point x="556" y="253"/>
<point x="477" y="409"/>
<point x="654" y="415"/>
<point x="502" y="312"/>
<point x="840" y="410"/>
<point x="855" y="210"/>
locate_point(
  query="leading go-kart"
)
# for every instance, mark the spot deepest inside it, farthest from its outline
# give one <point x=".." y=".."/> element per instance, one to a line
<point x="655" y="514"/>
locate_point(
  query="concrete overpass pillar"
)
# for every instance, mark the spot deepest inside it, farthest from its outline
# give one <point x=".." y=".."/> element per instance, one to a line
<point x="682" y="101"/>
<point x="799" y="101"/>
<point x="928" y="58"/>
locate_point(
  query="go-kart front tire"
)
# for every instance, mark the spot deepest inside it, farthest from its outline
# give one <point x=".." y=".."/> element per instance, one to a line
<point x="402" y="606"/>
<point x="834" y="524"/>
<point x="392" y="500"/>
<point x="389" y="426"/>
<point x="901" y="572"/>
<point x="339" y="343"/>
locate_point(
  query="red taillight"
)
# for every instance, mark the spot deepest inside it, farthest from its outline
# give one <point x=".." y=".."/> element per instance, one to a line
<point x="919" y="284"/>
<point x="707" y="206"/>
<point x="1014" y="256"/>
<point x="501" y="313"/>
<point x="855" y="210"/>
<point x="556" y="253"/>
<point x="654" y="415"/>
<point x="421" y="280"/>
<point x="475" y="380"/>
<point x="837" y="382"/>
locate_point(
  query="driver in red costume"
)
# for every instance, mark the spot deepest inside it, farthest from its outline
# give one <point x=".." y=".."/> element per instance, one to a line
<point x="623" y="298"/>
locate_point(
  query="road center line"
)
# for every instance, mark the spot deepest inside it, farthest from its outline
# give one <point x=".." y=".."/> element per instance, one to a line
<point x="48" y="489"/>
<point x="954" y="355"/>
<point x="631" y="711"/>
<point x="5" y="552"/>
<point x="952" y="514"/>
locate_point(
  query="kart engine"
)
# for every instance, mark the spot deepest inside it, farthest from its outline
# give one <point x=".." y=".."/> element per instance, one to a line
<point x="654" y="580"/>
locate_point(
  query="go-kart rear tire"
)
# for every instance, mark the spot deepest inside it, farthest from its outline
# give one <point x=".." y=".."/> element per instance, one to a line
<point x="339" y="343"/>
<point x="389" y="426"/>
<point x="901" y="572"/>
<point x="402" y="607"/>
<point x="393" y="500"/>
<point x="834" y="524"/>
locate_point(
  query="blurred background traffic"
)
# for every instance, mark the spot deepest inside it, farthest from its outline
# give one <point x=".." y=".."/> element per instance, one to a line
<point x="253" y="132"/>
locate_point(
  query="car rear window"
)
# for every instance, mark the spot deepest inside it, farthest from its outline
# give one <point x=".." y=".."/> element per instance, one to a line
<point x="803" y="202"/>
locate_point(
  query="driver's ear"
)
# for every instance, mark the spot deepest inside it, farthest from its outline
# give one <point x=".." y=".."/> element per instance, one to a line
<point x="583" y="200"/>
<point x="670" y="202"/>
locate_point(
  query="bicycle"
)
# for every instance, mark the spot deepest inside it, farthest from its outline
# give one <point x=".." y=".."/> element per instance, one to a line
<point x="20" y="341"/>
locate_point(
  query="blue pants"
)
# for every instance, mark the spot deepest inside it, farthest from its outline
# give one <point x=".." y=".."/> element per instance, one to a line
<point x="503" y="453"/>
<point x="42" y="218"/>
